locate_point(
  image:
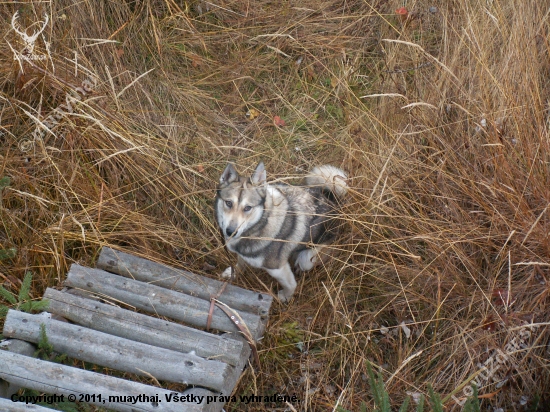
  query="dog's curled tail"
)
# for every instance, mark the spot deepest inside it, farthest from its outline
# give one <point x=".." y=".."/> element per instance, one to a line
<point x="330" y="178"/>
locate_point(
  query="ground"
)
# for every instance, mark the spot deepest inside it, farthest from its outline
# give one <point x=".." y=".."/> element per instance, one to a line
<point x="116" y="127"/>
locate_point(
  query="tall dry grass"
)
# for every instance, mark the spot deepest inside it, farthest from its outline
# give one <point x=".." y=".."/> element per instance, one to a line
<point x="441" y="120"/>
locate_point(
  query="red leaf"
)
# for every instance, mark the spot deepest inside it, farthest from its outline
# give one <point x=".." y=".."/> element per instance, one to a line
<point x="196" y="61"/>
<point x="403" y="13"/>
<point x="278" y="121"/>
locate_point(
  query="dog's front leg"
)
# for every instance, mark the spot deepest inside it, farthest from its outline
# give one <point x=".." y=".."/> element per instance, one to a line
<point x="286" y="279"/>
<point x="231" y="272"/>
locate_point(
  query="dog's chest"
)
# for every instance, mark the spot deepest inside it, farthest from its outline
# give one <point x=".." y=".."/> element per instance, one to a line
<point x="255" y="262"/>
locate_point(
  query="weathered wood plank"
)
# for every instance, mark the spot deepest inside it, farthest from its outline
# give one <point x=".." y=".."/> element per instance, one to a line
<point x="230" y="383"/>
<point x="117" y="353"/>
<point x="55" y="378"/>
<point x="158" y="300"/>
<point x="16" y="346"/>
<point x="189" y="283"/>
<point x="6" y="405"/>
<point x="142" y="328"/>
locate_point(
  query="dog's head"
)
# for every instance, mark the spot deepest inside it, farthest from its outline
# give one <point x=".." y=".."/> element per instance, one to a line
<point x="240" y="201"/>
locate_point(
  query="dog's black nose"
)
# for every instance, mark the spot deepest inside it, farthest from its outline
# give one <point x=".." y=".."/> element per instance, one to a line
<point x="230" y="231"/>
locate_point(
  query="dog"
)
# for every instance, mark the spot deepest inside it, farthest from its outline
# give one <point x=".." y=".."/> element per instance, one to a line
<point x="270" y="225"/>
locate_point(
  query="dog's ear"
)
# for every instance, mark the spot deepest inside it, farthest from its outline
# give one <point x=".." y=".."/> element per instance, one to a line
<point x="229" y="175"/>
<point x="259" y="175"/>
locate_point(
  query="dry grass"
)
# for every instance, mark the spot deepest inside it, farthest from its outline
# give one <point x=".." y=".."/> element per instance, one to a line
<point x="447" y="225"/>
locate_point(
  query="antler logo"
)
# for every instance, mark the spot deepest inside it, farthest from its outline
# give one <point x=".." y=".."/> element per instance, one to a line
<point x="29" y="40"/>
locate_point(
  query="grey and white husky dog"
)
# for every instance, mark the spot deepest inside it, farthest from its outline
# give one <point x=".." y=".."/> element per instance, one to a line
<point x="269" y="225"/>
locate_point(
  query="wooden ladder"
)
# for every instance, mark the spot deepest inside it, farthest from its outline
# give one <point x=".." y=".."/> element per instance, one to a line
<point x="94" y="320"/>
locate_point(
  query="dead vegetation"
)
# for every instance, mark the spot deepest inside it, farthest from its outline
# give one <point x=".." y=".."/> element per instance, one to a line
<point x="439" y="114"/>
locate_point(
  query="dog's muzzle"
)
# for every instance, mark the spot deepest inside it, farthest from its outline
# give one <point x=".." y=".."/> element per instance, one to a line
<point x="230" y="231"/>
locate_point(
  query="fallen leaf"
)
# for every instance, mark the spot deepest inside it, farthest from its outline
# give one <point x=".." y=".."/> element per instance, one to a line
<point x="523" y="400"/>
<point x="278" y="121"/>
<point x="207" y="266"/>
<point x="488" y="395"/>
<point x="329" y="389"/>
<point x="196" y="61"/>
<point x="415" y="395"/>
<point x="406" y="330"/>
<point x="403" y="13"/>
<point x="13" y="280"/>
<point x="251" y="114"/>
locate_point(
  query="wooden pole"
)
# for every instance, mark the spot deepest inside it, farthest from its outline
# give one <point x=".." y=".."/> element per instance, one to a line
<point x="145" y="270"/>
<point x="16" y="346"/>
<point x="158" y="300"/>
<point x="11" y="406"/>
<point x="228" y="387"/>
<point x="142" y="328"/>
<point x="117" y="353"/>
<point x="65" y="380"/>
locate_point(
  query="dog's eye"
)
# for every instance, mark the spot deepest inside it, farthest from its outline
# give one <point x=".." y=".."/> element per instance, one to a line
<point x="247" y="208"/>
<point x="229" y="204"/>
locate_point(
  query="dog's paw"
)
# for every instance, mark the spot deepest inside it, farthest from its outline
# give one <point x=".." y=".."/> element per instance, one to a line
<point x="227" y="273"/>
<point x="306" y="260"/>
<point x="283" y="296"/>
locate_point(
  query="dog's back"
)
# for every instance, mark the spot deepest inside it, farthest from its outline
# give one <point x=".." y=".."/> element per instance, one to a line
<point x="327" y="187"/>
